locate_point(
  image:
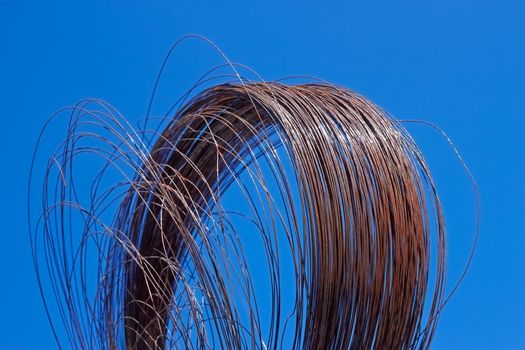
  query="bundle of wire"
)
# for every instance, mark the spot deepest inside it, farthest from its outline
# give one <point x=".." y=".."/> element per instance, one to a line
<point x="342" y="244"/>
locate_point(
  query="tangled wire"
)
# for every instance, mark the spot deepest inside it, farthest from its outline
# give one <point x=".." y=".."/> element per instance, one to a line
<point x="264" y="215"/>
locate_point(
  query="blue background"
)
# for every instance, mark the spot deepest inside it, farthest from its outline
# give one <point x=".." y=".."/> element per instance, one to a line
<point x="459" y="64"/>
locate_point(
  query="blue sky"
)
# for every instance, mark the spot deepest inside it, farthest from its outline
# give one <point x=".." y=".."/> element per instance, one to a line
<point x="459" y="64"/>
